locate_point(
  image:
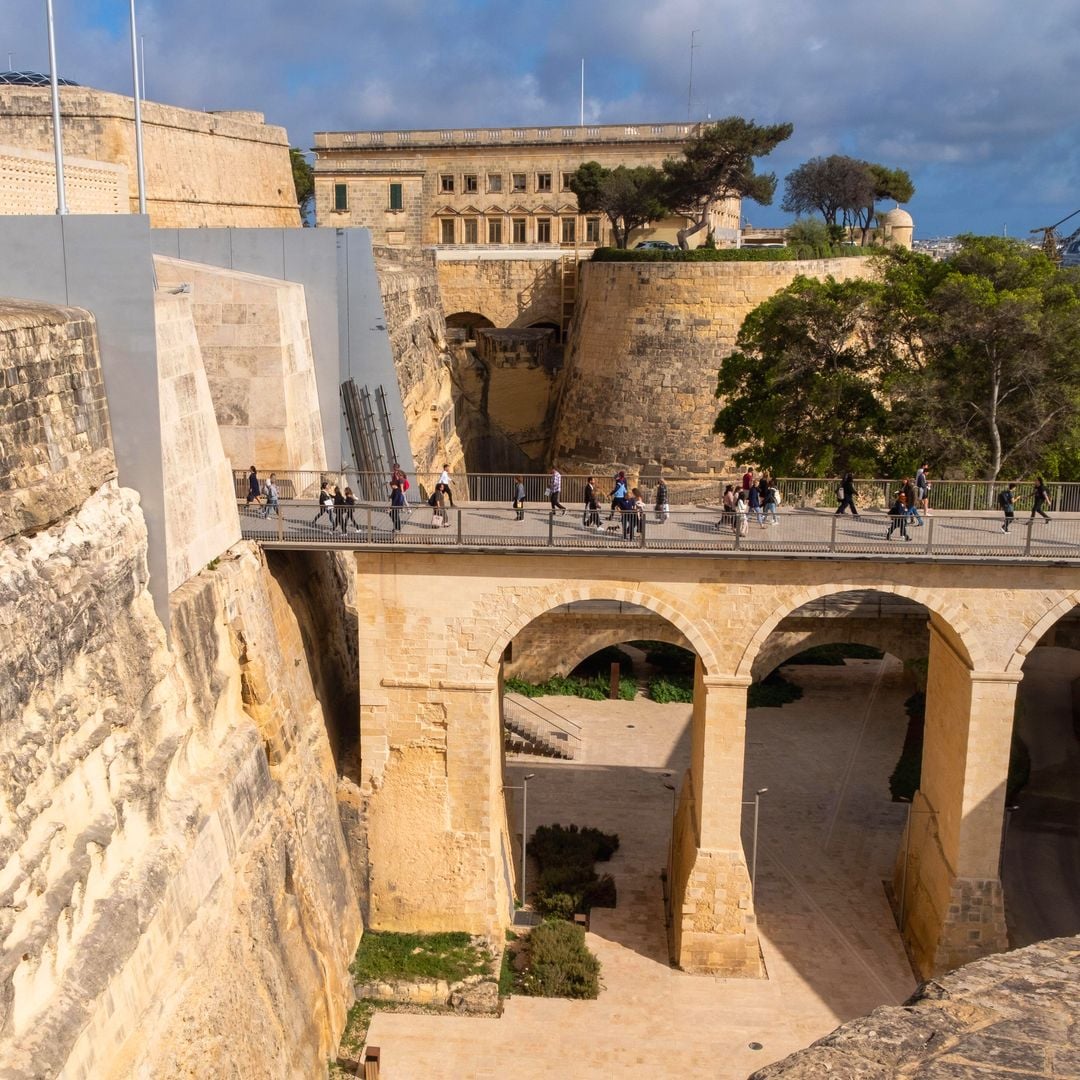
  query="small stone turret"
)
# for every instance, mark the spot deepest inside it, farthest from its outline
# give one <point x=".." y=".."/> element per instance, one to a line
<point x="896" y="227"/>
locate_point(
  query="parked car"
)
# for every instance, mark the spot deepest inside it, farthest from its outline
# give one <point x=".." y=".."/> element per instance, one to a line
<point x="655" y="245"/>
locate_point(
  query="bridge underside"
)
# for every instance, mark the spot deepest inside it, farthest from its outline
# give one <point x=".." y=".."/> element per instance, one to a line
<point x="433" y="632"/>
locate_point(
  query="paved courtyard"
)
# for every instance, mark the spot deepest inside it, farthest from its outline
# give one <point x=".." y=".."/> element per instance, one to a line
<point x="828" y="837"/>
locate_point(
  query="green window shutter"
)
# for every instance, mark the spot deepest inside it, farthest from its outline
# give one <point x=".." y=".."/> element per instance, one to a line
<point x="397" y="197"/>
<point x="341" y="197"/>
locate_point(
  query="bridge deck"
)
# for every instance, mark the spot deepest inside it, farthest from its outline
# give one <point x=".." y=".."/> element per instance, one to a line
<point x="691" y="531"/>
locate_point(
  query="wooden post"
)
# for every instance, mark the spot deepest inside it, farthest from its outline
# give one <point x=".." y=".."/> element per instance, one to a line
<point x="614" y="695"/>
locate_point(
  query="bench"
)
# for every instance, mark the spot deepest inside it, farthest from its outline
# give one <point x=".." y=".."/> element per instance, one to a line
<point x="372" y="1055"/>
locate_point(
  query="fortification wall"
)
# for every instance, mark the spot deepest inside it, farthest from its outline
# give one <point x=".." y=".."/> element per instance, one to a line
<point x="507" y="291"/>
<point x="201" y="168"/>
<point x="645" y="346"/>
<point x="177" y="895"/>
<point x="256" y="349"/>
<point x="28" y="184"/>
<point x="201" y="520"/>
<point x="417" y="328"/>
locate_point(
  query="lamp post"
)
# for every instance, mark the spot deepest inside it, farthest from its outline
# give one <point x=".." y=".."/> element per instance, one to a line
<point x="524" y="828"/>
<point x="753" y="854"/>
<point x="140" y="172"/>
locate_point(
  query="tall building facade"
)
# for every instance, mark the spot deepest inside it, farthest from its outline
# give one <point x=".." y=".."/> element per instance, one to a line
<point x="488" y="186"/>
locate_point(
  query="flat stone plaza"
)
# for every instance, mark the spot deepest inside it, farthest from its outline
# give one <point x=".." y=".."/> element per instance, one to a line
<point x="827" y="840"/>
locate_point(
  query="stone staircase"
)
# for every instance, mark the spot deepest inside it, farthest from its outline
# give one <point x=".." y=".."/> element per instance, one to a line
<point x="532" y="728"/>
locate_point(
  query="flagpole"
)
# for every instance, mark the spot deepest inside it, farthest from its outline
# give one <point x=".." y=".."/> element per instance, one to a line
<point x="58" y="138"/>
<point x="138" y="113"/>
<point x="583" y="91"/>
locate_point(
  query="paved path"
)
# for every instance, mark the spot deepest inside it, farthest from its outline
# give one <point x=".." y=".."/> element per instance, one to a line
<point x="691" y="530"/>
<point x="828" y="838"/>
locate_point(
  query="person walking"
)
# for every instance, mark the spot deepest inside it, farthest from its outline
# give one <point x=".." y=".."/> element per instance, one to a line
<point x="847" y="494"/>
<point x="1040" y="499"/>
<point x="747" y="479"/>
<point x="922" y="488"/>
<point x="911" y="500"/>
<point x="397" y="503"/>
<point x="270" y="492"/>
<point x="253" y="490"/>
<point x="554" y="489"/>
<point x="631" y="514"/>
<point x="590" y="518"/>
<point x="326" y="503"/>
<point x="437" y="502"/>
<point x="728" y="501"/>
<point x="771" y="496"/>
<point x="1006" y="500"/>
<point x="898" y="517"/>
<point x="339" y="508"/>
<point x="741" y="522"/>
<point x="661" y="505"/>
<point x="444" y="479"/>
<point x="348" y="516"/>
<point x="618" y="493"/>
<point x="519" y="498"/>
<point x="754" y="496"/>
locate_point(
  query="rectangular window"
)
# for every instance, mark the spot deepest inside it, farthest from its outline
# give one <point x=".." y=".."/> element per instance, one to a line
<point x="519" y="230"/>
<point x="341" y="196"/>
<point x="592" y="230"/>
<point x="447" y="230"/>
<point x="519" y="181"/>
<point x="446" y="184"/>
<point x="569" y="230"/>
<point x="471" y="231"/>
<point x="397" y="197"/>
<point x="566" y="181"/>
<point x="543" y="181"/>
<point x="494" y="181"/>
<point x="494" y="231"/>
<point x="543" y="230"/>
<point x="471" y="184"/>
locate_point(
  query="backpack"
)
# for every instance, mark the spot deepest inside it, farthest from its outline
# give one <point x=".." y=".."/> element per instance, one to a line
<point x="776" y="496"/>
<point x="840" y="492"/>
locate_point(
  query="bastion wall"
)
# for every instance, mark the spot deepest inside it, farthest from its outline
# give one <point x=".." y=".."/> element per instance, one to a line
<point x="645" y="347"/>
<point x="201" y="169"/>
<point x="178" y="897"/>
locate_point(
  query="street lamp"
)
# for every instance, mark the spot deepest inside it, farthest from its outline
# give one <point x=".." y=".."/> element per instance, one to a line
<point x="58" y="139"/>
<point x="524" y="828"/>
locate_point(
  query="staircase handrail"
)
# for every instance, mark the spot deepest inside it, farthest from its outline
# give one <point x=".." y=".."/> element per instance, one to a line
<point x="545" y="715"/>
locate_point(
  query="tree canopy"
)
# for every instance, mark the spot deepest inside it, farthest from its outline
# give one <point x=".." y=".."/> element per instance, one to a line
<point x="970" y="362"/>
<point x="718" y="162"/>
<point x="303" y="180"/>
<point x="844" y="187"/>
<point x="629" y="197"/>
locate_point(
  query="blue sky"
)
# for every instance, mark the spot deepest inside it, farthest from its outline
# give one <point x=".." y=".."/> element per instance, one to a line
<point x="977" y="99"/>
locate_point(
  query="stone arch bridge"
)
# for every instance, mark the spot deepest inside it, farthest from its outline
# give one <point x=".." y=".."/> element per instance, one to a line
<point x="433" y="632"/>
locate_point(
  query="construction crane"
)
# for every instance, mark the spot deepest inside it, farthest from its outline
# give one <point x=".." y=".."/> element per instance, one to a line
<point x="1052" y="244"/>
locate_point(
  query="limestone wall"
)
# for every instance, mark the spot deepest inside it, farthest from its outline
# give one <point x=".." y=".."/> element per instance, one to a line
<point x="256" y="349"/>
<point x="201" y="521"/>
<point x="645" y="348"/>
<point x="177" y="896"/>
<point x="28" y="184"/>
<point x="417" y="329"/>
<point x="511" y="291"/>
<point x="54" y="419"/>
<point x="201" y="168"/>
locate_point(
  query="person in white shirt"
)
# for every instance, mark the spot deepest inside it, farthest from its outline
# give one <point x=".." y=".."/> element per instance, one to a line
<point x="444" y="479"/>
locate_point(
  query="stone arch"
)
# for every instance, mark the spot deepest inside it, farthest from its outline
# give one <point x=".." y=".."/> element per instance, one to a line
<point x="1035" y="634"/>
<point x="768" y="659"/>
<point x="947" y="618"/>
<point x="545" y="324"/>
<point x="469" y="321"/>
<point x="597" y="641"/>
<point x="570" y="593"/>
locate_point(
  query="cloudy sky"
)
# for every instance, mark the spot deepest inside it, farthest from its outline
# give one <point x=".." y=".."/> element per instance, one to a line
<point x="978" y="99"/>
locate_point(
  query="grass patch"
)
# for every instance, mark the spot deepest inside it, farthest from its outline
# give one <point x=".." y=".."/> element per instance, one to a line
<point x="449" y="956"/>
<point x="558" y="963"/>
<point x="594" y="689"/>
<point x="353" y="1037"/>
<point x="772" y="692"/>
<point x="906" y="777"/>
<point x="835" y="655"/>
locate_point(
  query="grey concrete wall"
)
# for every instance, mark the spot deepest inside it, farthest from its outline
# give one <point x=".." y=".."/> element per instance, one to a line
<point x="105" y="263"/>
<point x="345" y="312"/>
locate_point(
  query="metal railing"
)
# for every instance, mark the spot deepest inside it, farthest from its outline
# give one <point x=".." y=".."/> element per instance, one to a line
<point x="798" y="492"/>
<point x="543" y="722"/>
<point x="805" y="532"/>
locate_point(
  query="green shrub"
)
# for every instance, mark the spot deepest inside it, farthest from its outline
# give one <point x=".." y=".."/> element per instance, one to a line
<point x="677" y="689"/>
<point x="601" y="893"/>
<point x="834" y="655"/>
<point x="557" y="905"/>
<point x="567" y="882"/>
<point x="560" y="845"/>
<point x="772" y="692"/>
<point x="559" y="964"/>
<point x="595" y="689"/>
